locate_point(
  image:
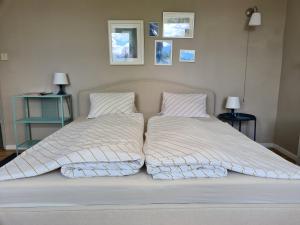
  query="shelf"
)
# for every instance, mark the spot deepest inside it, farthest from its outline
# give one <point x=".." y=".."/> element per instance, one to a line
<point x="42" y="120"/>
<point x="42" y="96"/>
<point x="52" y="112"/>
<point x="27" y="144"/>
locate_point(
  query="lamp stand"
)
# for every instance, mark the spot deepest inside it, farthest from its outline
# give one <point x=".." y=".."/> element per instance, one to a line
<point x="61" y="90"/>
<point x="246" y="65"/>
<point x="233" y="112"/>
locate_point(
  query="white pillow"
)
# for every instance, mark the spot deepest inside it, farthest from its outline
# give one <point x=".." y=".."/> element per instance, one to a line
<point x="108" y="103"/>
<point x="185" y="105"/>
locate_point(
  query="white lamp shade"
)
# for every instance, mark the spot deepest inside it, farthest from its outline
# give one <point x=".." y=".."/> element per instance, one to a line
<point x="233" y="103"/>
<point x="60" y="79"/>
<point x="255" y="19"/>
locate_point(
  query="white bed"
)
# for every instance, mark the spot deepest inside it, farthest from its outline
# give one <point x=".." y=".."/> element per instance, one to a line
<point x="236" y="199"/>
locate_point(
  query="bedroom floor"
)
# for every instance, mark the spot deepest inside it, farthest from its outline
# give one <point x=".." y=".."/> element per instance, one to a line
<point x="5" y="153"/>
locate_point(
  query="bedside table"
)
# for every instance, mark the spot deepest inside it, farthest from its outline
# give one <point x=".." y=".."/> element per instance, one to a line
<point x="54" y="109"/>
<point x="238" y="117"/>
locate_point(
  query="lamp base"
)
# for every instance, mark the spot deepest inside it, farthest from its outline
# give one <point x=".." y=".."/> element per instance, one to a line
<point x="61" y="90"/>
<point x="233" y="112"/>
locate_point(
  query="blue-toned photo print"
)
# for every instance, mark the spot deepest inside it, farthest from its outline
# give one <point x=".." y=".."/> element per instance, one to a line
<point x="178" y="24"/>
<point x="153" y="29"/>
<point x="163" y="52"/>
<point x="187" y="55"/>
<point x="124" y="44"/>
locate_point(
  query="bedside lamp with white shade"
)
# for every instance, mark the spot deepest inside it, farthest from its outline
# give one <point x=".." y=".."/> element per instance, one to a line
<point x="61" y="79"/>
<point x="233" y="103"/>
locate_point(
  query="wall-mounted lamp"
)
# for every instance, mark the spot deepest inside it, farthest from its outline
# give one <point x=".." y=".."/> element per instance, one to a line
<point x="254" y="20"/>
<point x="254" y="17"/>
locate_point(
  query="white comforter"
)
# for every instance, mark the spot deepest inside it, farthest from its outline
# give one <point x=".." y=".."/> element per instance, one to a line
<point x="178" y="147"/>
<point x="109" y="145"/>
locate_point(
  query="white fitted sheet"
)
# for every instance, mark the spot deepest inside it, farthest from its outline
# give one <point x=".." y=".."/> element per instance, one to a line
<point x="53" y="189"/>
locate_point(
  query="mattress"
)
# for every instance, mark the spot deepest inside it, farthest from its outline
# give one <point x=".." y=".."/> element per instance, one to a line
<point x="53" y="189"/>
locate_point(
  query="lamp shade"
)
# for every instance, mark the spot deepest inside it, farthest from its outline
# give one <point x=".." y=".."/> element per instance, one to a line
<point x="233" y="103"/>
<point x="255" y="19"/>
<point x="60" y="79"/>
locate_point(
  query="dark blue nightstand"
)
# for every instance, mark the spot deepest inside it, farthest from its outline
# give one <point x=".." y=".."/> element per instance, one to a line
<point x="238" y="117"/>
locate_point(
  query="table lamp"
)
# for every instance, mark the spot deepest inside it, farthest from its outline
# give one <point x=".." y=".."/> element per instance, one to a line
<point x="233" y="103"/>
<point x="61" y="79"/>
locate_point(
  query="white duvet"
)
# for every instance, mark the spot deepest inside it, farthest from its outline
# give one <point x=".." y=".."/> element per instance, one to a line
<point x="178" y="147"/>
<point x="109" y="145"/>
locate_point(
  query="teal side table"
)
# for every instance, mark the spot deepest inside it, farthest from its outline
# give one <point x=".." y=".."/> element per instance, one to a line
<point x="52" y="111"/>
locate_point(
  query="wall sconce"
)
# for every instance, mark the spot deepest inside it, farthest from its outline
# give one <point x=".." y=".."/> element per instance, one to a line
<point x="254" y="20"/>
<point x="254" y="17"/>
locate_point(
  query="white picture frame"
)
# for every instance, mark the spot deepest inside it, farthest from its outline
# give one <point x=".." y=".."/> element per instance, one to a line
<point x="126" y="42"/>
<point x="178" y="24"/>
<point x="163" y="52"/>
<point x="186" y="55"/>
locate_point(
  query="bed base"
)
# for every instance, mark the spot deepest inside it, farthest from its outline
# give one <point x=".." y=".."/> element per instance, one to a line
<point x="162" y="214"/>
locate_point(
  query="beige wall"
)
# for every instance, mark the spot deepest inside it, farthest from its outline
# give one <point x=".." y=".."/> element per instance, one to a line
<point x="1" y="121"/>
<point x="288" y="120"/>
<point x="44" y="36"/>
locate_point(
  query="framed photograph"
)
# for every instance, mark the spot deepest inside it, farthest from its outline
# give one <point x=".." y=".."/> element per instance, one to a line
<point x="163" y="52"/>
<point x="153" y="29"/>
<point x="178" y="24"/>
<point x="187" y="55"/>
<point x="126" y="42"/>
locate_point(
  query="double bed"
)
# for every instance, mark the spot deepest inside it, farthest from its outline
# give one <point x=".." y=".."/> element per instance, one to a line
<point x="234" y="199"/>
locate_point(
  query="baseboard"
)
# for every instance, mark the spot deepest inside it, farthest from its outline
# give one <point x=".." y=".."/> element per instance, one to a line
<point x="10" y="147"/>
<point x="268" y="145"/>
<point x="298" y="153"/>
<point x="282" y="150"/>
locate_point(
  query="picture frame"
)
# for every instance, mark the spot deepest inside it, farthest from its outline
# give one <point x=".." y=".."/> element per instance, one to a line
<point x="178" y="24"/>
<point x="186" y="55"/>
<point x="126" y="42"/>
<point x="163" y="55"/>
<point x="153" y="29"/>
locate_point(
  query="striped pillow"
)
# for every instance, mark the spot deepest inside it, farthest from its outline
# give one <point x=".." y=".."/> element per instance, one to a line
<point x="185" y="105"/>
<point x="109" y="103"/>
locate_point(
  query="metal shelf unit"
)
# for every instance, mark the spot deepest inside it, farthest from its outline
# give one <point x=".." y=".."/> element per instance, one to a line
<point x="52" y="112"/>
